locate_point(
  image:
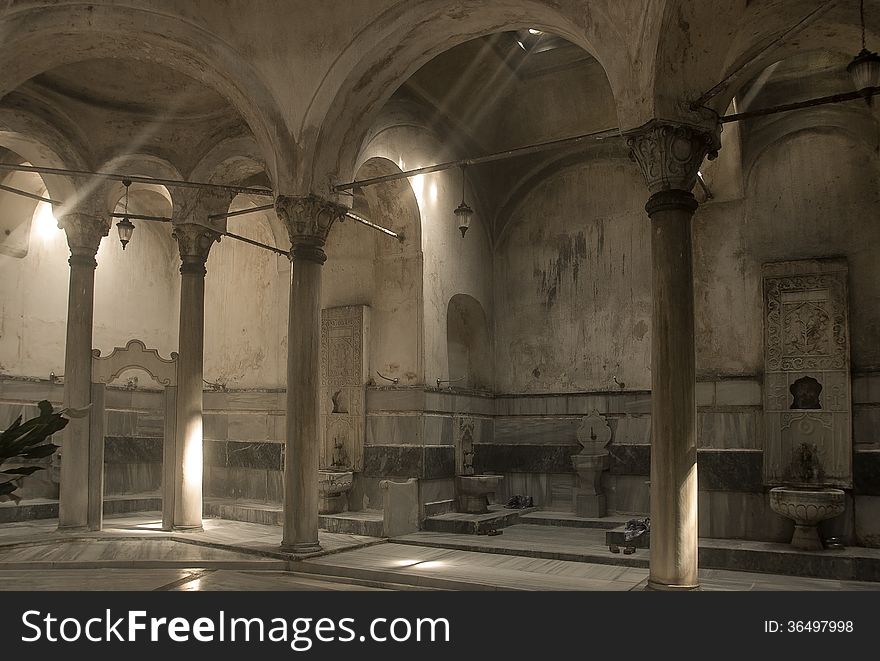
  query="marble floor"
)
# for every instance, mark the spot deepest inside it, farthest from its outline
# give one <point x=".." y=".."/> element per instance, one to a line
<point x="133" y="553"/>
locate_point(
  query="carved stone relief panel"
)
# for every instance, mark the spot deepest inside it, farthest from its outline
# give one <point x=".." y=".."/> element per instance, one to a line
<point x="463" y="438"/>
<point x="344" y="374"/>
<point x="807" y="401"/>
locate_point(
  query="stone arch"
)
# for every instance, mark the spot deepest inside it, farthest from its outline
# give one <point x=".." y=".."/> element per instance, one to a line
<point x="402" y="39"/>
<point x="468" y="344"/>
<point x="732" y="41"/>
<point x="37" y="142"/>
<point x="230" y="161"/>
<point x="51" y="36"/>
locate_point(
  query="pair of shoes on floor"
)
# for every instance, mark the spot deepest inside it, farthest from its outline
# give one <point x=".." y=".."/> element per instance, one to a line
<point x="519" y="502"/>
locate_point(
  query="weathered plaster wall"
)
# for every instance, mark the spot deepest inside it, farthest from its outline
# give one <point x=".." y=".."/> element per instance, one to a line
<point x="572" y="284"/>
<point x="135" y="296"/>
<point x="810" y="195"/>
<point x="246" y="299"/>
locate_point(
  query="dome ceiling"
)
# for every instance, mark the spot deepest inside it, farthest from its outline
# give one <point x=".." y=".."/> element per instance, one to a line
<point x="133" y="86"/>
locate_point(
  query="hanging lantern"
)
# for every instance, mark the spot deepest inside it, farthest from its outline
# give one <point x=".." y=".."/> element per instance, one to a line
<point x="463" y="212"/>
<point x="125" y="227"/>
<point x="865" y="67"/>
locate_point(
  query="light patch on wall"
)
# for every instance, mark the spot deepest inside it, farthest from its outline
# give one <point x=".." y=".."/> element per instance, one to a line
<point x="418" y="186"/>
<point x="433" y="192"/>
<point x="45" y="226"/>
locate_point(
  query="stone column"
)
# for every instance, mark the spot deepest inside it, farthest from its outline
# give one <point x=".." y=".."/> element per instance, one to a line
<point x="194" y="242"/>
<point x="308" y="221"/>
<point x="670" y="156"/>
<point x="81" y="489"/>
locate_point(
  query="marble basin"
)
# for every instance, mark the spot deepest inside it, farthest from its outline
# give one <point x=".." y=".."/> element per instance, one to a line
<point x="473" y="492"/>
<point x="333" y="488"/>
<point x="807" y="508"/>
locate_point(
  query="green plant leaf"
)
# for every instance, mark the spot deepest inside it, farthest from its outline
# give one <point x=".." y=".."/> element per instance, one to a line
<point x="23" y="470"/>
<point x="40" y="451"/>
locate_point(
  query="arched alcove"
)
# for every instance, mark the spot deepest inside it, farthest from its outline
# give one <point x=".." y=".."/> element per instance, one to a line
<point x="368" y="267"/>
<point x="136" y="289"/>
<point x="468" y="345"/>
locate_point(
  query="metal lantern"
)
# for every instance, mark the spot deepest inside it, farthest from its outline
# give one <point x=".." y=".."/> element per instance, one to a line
<point x="865" y="67"/>
<point x="463" y="212"/>
<point x="125" y="228"/>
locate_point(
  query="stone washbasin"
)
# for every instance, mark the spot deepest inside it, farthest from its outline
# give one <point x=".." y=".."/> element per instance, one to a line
<point x="333" y="488"/>
<point x="473" y="492"/>
<point x="807" y="507"/>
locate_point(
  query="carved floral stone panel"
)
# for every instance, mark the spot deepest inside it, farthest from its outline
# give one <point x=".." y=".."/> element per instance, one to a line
<point x="344" y="375"/>
<point x="807" y="400"/>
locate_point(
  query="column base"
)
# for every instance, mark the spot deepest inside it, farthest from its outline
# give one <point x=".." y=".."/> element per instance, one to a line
<point x="198" y="528"/>
<point x="308" y="547"/>
<point x="74" y="529"/>
<point x="663" y="587"/>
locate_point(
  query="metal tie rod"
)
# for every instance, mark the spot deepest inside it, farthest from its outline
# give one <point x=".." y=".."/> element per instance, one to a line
<point x="378" y="228"/>
<point x="24" y="193"/>
<point x="498" y="156"/>
<point x="137" y="179"/>
<point x="237" y="237"/>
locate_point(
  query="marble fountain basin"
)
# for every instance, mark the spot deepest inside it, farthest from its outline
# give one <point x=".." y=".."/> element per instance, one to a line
<point x="807" y="507"/>
<point x="473" y="492"/>
<point x="333" y="488"/>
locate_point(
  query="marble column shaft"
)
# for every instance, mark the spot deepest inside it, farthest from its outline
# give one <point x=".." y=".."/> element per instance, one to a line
<point x="76" y="506"/>
<point x="670" y="156"/>
<point x="194" y="242"/>
<point x="308" y="220"/>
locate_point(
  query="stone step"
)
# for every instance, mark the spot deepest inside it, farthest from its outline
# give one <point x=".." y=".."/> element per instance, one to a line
<point x="570" y="520"/>
<point x="369" y="523"/>
<point x="475" y="524"/>
<point x="45" y="508"/>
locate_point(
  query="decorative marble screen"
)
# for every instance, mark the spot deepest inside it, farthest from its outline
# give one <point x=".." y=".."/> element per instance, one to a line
<point x="807" y="404"/>
<point x="344" y="374"/>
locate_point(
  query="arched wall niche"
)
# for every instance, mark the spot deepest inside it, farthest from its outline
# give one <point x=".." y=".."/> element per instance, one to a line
<point x="468" y="345"/>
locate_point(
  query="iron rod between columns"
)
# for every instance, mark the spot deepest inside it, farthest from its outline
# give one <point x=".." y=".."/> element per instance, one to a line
<point x="374" y="226"/>
<point x="230" y="214"/>
<point x="136" y="179"/>
<point x="24" y="193"/>
<point x="866" y="93"/>
<point x="163" y="219"/>
<point x="498" y="156"/>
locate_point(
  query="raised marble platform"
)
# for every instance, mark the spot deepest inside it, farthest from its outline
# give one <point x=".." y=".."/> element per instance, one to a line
<point x="474" y="524"/>
<point x="589" y="545"/>
<point x="46" y="508"/>
<point x="368" y="522"/>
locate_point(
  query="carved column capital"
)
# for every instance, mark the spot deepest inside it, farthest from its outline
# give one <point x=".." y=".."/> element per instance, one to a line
<point x="308" y="220"/>
<point x="670" y="154"/>
<point x="194" y="243"/>
<point x="84" y="233"/>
